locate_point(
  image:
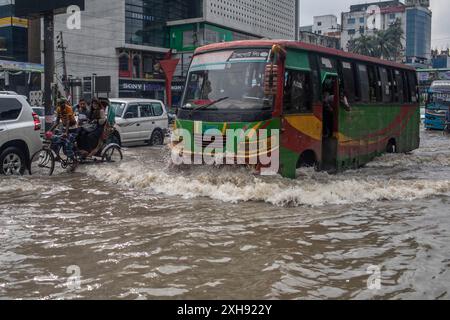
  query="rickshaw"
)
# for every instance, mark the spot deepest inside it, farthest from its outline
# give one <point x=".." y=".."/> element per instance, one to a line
<point x="43" y="162"/>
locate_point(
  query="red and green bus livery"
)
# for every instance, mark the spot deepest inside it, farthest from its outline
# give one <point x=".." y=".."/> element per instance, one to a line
<point x="332" y="109"/>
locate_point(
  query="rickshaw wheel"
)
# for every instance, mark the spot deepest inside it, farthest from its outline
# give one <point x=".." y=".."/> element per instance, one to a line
<point x="112" y="154"/>
<point x="42" y="163"/>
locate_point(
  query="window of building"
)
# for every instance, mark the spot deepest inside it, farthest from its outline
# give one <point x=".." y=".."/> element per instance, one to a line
<point x="147" y="66"/>
<point x="211" y="36"/>
<point x="351" y="21"/>
<point x="124" y="64"/>
<point x="319" y="24"/>
<point x="351" y="32"/>
<point x="362" y="20"/>
<point x="363" y="78"/>
<point x="188" y="38"/>
<point x="392" y="16"/>
<point x="297" y="92"/>
<point x="136" y="66"/>
<point x="10" y="109"/>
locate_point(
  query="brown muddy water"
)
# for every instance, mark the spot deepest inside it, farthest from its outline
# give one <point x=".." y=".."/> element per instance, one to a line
<point x="146" y="230"/>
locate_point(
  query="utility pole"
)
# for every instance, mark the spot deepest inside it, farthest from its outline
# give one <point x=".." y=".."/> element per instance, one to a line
<point x="60" y="46"/>
<point x="49" y="65"/>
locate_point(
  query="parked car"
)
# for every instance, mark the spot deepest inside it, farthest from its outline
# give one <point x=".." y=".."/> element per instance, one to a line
<point x="12" y="93"/>
<point x="19" y="134"/>
<point x="140" y="120"/>
<point x="40" y="111"/>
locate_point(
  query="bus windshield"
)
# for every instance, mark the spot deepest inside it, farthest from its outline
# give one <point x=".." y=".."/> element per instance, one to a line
<point x="228" y="80"/>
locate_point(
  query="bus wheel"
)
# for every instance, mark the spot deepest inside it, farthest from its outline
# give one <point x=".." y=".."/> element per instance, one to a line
<point x="391" y="146"/>
<point x="307" y="159"/>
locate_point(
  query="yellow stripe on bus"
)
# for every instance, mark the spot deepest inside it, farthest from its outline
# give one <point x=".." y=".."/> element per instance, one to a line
<point x="309" y="125"/>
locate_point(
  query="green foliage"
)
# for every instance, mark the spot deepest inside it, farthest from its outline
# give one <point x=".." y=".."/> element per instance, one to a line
<point x="383" y="44"/>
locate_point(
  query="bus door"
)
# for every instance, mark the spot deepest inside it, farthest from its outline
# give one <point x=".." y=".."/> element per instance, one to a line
<point x="330" y="109"/>
<point x="330" y="99"/>
<point x="301" y="129"/>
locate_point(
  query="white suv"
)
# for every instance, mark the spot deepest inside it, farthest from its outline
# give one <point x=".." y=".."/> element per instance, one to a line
<point x="140" y="120"/>
<point x="19" y="134"/>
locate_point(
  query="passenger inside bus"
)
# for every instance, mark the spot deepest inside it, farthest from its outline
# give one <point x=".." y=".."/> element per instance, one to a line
<point x="328" y="107"/>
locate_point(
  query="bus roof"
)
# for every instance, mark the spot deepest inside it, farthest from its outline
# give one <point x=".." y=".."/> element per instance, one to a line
<point x="441" y="85"/>
<point x="301" y="46"/>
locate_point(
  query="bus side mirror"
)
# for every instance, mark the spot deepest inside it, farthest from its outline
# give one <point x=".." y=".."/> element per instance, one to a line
<point x="271" y="80"/>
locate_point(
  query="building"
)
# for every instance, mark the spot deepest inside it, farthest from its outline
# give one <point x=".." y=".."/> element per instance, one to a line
<point x="320" y="40"/>
<point x="16" y="73"/>
<point x="326" y="25"/>
<point x="126" y="39"/>
<point x="362" y="20"/>
<point x="418" y="32"/>
<point x="325" y="32"/>
<point x="440" y="60"/>
<point x="13" y="33"/>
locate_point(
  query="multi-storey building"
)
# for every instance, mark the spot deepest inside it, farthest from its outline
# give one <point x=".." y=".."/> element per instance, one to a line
<point x="126" y="39"/>
<point x="16" y="74"/>
<point x="418" y="32"/>
<point x="325" y="32"/>
<point x="13" y="33"/>
<point x="362" y="19"/>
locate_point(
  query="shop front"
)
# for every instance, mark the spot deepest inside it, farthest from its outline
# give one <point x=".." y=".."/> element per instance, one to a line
<point x="142" y="89"/>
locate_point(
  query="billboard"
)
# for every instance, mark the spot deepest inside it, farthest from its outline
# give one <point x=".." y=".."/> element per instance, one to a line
<point x="25" y="8"/>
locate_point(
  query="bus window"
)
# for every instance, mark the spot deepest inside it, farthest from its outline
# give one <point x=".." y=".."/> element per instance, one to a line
<point x="385" y="86"/>
<point x="315" y="77"/>
<point x="328" y="64"/>
<point x="363" y="78"/>
<point x="297" y="92"/>
<point x="412" y="80"/>
<point x="406" y="90"/>
<point x="399" y="87"/>
<point x="348" y="81"/>
<point x="374" y="93"/>
<point x="391" y="84"/>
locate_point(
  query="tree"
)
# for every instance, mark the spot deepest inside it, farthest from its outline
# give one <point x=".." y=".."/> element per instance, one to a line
<point x="384" y="44"/>
<point x="363" y="45"/>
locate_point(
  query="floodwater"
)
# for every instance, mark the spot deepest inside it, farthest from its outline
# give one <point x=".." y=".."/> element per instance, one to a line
<point x="147" y="230"/>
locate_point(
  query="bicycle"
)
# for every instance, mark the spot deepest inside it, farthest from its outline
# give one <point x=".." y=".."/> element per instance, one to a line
<point x="43" y="162"/>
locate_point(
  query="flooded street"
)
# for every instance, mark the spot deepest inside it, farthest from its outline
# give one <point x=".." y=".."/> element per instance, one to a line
<point x="146" y="230"/>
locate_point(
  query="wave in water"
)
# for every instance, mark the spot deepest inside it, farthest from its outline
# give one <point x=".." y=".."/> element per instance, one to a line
<point x="238" y="185"/>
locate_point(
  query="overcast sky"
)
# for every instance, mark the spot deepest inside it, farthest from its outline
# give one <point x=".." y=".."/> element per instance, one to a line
<point x="440" y="8"/>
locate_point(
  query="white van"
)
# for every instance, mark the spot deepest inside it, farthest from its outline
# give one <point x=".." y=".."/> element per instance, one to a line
<point x="140" y="120"/>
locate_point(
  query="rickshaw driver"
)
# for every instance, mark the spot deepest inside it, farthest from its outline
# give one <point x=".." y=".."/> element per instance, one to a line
<point x="66" y="116"/>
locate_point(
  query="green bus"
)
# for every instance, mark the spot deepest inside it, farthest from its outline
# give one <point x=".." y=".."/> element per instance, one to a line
<point x="331" y="109"/>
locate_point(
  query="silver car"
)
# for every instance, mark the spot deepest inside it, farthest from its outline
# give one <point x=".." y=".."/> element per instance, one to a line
<point x="140" y="120"/>
<point x="19" y="134"/>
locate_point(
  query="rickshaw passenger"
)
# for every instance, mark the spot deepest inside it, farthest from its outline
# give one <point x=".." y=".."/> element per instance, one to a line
<point x="97" y="118"/>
